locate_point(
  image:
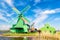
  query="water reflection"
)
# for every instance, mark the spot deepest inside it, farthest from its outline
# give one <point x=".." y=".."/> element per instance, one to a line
<point x="21" y="38"/>
<point x="28" y="38"/>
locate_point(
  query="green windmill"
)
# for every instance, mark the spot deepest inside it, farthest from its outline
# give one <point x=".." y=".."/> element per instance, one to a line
<point x="48" y="28"/>
<point x="22" y="23"/>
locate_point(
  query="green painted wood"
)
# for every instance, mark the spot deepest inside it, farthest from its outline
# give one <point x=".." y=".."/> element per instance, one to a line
<point x="20" y="26"/>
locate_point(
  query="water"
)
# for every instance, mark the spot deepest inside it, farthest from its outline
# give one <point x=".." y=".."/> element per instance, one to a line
<point x="27" y="38"/>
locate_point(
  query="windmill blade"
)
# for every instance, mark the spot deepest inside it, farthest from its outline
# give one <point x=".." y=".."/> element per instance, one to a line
<point x="32" y="24"/>
<point x="25" y="9"/>
<point x="16" y="10"/>
<point x="26" y="19"/>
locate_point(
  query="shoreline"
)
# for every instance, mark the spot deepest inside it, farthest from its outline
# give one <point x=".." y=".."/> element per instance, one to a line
<point x="19" y="35"/>
<point x="41" y="35"/>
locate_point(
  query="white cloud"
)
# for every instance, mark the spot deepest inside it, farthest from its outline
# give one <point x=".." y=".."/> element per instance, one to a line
<point x="41" y="15"/>
<point x="39" y="19"/>
<point x="36" y="1"/>
<point x="8" y="15"/>
<point x="57" y="19"/>
<point x="3" y="18"/>
<point x="51" y="11"/>
<point x="3" y="5"/>
<point x="48" y="12"/>
<point x="10" y="2"/>
<point x="5" y="27"/>
<point x="45" y="12"/>
<point x="57" y="10"/>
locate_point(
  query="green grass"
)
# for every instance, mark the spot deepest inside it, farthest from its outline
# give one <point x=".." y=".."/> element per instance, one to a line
<point x="20" y="34"/>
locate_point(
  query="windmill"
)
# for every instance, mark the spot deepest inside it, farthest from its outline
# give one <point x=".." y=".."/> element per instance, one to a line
<point x="22" y="23"/>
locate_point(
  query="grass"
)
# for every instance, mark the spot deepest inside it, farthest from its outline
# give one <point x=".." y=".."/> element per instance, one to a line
<point x="42" y="35"/>
<point x="20" y="34"/>
<point x="49" y="36"/>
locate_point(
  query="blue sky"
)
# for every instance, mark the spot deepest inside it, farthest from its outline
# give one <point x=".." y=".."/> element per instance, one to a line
<point x="40" y="12"/>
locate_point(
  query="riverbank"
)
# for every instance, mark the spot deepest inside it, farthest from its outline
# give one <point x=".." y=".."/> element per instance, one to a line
<point x="20" y="34"/>
<point x="35" y="36"/>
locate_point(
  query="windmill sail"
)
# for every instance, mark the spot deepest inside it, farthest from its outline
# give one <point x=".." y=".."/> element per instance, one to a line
<point x="20" y="13"/>
<point x="16" y="10"/>
<point x="24" y="10"/>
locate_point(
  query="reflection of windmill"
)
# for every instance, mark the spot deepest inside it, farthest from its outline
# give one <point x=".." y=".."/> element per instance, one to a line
<point x="22" y="23"/>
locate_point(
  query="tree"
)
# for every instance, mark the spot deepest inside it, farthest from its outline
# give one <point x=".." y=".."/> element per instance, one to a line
<point x="48" y="28"/>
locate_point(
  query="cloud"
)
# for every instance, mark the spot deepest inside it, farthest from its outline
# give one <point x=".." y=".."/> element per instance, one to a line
<point x="10" y="2"/>
<point x="57" y="19"/>
<point x="9" y="14"/>
<point x="51" y="11"/>
<point x="4" y="13"/>
<point x="45" y="12"/>
<point x="3" y="18"/>
<point x="5" y="27"/>
<point x="3" y="5"/>
<point x="39" y="19"/>
<point x="41" y="15"/>
<point x="48" y="12"/>
<point x="57" y="10"/>
<point x="36" y="1"/>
